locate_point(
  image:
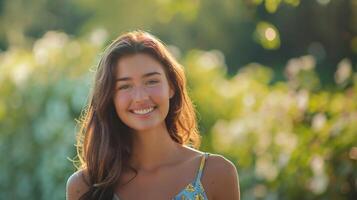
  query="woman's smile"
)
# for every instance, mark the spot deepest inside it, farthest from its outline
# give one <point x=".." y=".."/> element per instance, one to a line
<point x="143" y="113"/>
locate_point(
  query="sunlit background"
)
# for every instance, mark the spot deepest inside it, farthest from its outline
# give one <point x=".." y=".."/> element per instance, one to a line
<point x="274" y="82"/>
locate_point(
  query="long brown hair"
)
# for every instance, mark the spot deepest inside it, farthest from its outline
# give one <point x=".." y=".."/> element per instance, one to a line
<point x="104" y="142"/>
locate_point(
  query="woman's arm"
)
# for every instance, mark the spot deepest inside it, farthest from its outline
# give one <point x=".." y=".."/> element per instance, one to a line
<point x="76" y="185"/>
<point x="222" y="178"/>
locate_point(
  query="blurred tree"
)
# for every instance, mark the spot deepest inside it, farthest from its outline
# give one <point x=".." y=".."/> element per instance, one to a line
<point x="325" y="29"/>
<point x="21" y="21"/>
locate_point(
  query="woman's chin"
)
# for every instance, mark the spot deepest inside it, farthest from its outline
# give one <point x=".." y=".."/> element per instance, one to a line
<point x="145" y="127"/>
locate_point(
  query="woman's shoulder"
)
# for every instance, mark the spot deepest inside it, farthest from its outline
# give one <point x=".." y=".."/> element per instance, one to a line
<point x="218" y="162"/>
<point x="221" y="177"/>
<point x="215" y="161"/>
<point x="77" y="185"/>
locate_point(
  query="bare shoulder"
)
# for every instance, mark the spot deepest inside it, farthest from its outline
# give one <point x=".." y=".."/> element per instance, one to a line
<point x="221" y="178"/>
<point x="219" y="162"/>
<point x="77" y="185"/>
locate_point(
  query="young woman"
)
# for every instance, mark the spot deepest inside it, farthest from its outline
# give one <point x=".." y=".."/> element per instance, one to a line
<point x="139" y="137"/>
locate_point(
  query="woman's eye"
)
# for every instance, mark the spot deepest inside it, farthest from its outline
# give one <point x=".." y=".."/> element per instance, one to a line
<point x="152" y="82"/>
<point x="123" y="87"/>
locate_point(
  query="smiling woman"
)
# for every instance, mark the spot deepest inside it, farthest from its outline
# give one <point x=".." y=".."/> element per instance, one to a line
<point x="142" y="92"/>
<point x="139" y="131"/>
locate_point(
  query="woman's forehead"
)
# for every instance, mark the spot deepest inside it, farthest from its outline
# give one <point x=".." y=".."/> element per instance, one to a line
<point x="138" y="65"/>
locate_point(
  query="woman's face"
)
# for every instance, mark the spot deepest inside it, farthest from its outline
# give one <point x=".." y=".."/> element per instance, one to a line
<point x="142" y="92"/>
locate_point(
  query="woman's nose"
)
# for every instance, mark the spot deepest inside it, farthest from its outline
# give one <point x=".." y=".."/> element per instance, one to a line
<point x="139" y="94"/>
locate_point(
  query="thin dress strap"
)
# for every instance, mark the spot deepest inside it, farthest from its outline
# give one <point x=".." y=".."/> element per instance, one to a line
<point x="200" y="170"/>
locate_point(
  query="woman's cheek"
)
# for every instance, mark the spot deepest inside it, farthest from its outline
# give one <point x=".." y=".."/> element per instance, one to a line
<point x="121" y="99"/>
<point x="156" y="92"/>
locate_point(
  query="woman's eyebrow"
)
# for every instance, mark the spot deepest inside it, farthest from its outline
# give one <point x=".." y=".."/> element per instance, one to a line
<point x="144" y="76"/>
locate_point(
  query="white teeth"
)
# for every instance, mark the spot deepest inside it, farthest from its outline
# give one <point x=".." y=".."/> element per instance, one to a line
<point x="143" y="111"/>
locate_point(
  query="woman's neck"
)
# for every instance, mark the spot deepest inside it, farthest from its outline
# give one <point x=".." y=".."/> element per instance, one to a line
<point x="152" y="149"/>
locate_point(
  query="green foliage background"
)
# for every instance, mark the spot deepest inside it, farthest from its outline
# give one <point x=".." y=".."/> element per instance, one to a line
<point x="283" y="111"/>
